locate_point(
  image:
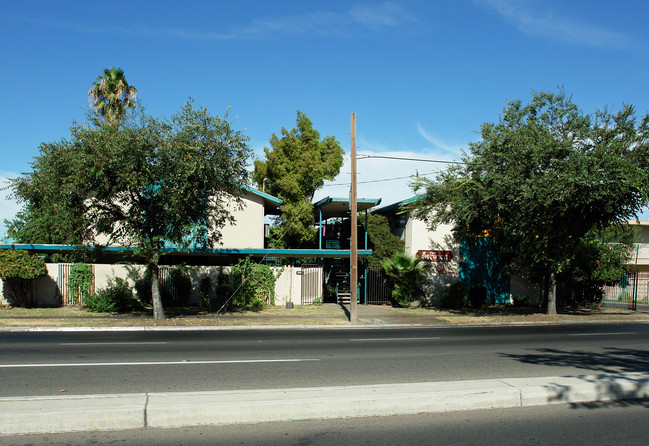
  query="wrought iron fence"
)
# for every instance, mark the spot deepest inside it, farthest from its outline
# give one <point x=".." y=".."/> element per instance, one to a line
<point x="626" y="294"/>
<point x="379" y="288"/>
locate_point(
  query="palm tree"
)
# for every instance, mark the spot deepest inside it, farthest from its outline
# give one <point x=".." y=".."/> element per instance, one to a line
<point x="406" y="273"/>
<point x="111" y="95"/>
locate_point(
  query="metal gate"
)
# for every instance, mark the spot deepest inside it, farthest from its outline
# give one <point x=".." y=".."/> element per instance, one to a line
<point x="379" y="288"/>
<point x="626" y="293"/>
<point x="312" y="281"/>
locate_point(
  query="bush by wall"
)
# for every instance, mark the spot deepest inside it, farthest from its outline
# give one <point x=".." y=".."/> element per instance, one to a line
<point x="117" y="297"/>
<point x="477" y="296"/>
<point x="453" y="297"/>
<point x="19" y="270"/>
<point x="81" y="282"/>
<point x="254" y="284"/>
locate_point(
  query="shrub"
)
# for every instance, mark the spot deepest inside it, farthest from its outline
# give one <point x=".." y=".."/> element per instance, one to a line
<point x="142" y="284"/>
<point x="81" y="282"/>
<point x="223" y="291"/>
<point x="407" y="274"/>
<point x="477" y="296"/>
<point x="117" y="297"/>
<point x="453" y="297"/>
<point x="19" y="270"/>
<point x="254" y="284"/>
<point x="174" y="291"/>
<point x="204" y="290"/>
<point x="521" y="301"/>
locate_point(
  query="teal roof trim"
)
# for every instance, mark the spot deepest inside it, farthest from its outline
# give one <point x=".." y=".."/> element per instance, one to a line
<point x="327" y="200"/>
<point x="263" y="195"/>
<point x="396" y="205"/>
<point x="197" y="251"/>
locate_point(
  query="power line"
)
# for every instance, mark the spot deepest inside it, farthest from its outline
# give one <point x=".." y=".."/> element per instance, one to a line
<point x="380" y="181"/>
<point x="360" y="157"/>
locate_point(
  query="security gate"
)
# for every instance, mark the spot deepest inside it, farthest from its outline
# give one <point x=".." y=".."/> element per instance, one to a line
<point x="379" y="288"/>
<point x="626" y="293"/>
<point x="312" y="281"/>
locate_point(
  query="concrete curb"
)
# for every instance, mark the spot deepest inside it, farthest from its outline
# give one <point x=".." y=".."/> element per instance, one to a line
<point x="142" y="328"/>
<point x="112" y="412"/>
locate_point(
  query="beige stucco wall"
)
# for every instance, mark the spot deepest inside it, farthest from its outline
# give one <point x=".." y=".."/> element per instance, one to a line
<point x="247" y="231"/>
<point x="48" y="290"/>
<point x="417" y="236"/>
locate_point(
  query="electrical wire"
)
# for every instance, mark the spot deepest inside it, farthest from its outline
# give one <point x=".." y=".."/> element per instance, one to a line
<point x="380" y="180"/>
<point x="423" y="160"/>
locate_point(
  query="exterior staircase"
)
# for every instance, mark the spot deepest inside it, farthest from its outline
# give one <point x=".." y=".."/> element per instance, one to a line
<point x="341" y="279"/>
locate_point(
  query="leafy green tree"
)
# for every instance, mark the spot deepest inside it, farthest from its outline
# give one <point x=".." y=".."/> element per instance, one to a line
<point x="19" y="269"/>
<point x="601" y="258"/>
<point x="294" y="169"/>
<point x="111" y="95"/>
<point x="542" y="180"/>
<point x="406" y="273"/>
<point x="383" y="242"/>
<point x="51" y="205"/>
<point x="152" y="181"/>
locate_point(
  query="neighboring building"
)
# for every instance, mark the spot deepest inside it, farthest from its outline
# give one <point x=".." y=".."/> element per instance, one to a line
<point x="435" y="246"/>
<point x="639" y="260"/>
<point x="299" y="282"/>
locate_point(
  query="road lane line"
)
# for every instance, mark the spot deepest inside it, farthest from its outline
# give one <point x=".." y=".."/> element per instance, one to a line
<point x="394" y="339"/>
<point x="617" y="333"/>
<point x="110" y="343"/>
<point x="188" y="362"/>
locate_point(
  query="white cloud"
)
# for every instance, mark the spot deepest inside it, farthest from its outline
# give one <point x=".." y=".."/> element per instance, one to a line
<point x="537" y="19"/>
<point x="370" y="16"/>
<point x="439" y="144"/>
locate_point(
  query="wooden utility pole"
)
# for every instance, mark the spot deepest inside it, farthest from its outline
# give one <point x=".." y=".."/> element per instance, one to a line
<point x="353" y="257"/>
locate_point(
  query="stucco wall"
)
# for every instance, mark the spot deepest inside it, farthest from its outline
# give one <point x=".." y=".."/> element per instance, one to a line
<point x="418" y="236"/>
<point x="48" y="291"/>
<point x="247" y="231"/>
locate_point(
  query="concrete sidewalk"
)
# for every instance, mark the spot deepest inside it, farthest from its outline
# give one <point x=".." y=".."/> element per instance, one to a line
<point x="114" y="412"/>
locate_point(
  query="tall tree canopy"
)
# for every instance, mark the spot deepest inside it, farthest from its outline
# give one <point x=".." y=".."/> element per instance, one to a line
<point x="146" y="183"/>
<point x="543" y="182"/>
<point x="111" y="95"/>
<point x="294" y="169"/>
<point x="383" y="242"/>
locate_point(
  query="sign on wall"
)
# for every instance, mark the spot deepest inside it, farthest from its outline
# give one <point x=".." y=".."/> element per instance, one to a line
<point x="435" y="256"/>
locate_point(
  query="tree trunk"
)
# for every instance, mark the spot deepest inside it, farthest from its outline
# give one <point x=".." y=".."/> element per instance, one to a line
<point x="552" y="294"/>
<point x="156" y="299"/>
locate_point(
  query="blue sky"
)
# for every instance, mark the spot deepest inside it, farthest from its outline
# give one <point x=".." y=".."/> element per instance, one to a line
<point x="421" y="75"/>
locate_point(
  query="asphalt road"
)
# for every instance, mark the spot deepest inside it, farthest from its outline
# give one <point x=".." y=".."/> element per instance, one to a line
<point x="618" y="423"/>
<point x="53" y="363"/>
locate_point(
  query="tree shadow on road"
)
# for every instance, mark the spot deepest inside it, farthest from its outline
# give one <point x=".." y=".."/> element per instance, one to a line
<point x="611" y="360"/>
<point x="619" y="376"/>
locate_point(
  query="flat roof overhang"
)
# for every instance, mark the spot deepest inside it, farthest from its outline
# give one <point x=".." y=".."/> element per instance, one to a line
<point x="287" y="253"/>
<point x="340" y="207"/>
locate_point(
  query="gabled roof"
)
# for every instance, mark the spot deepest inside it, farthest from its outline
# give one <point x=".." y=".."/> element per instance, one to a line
<point x="340" y="207"/>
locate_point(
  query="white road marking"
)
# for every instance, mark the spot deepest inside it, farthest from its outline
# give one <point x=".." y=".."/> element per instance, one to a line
<point x="617" y="333"/>
<point x="187" y="362"/>
<point x="111" y="343"/>
<point x="394" y="339"/>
